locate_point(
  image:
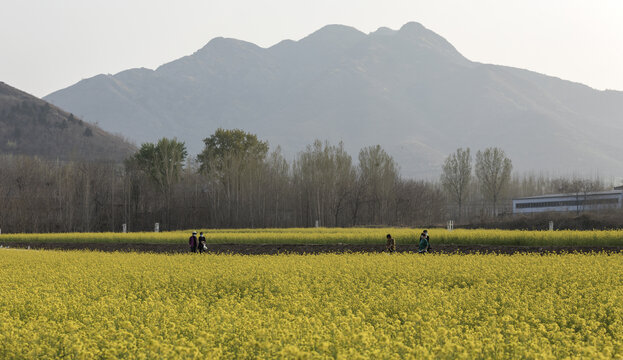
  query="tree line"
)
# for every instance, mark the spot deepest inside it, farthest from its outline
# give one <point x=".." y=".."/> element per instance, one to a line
<point x="237" y="181"/>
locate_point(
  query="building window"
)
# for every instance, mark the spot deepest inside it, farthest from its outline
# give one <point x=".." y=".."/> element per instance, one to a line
<point x="566" y="203"/>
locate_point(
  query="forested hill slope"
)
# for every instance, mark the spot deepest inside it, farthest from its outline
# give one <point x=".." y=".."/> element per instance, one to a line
<point x="31" y="126"/>
<point x="408" y="90"/>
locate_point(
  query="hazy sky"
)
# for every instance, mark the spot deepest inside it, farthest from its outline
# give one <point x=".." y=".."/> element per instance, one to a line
<point x="46" y="45"/>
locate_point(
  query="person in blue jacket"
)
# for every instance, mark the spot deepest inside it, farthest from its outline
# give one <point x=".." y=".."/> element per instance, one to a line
<point x="424" y="242"/>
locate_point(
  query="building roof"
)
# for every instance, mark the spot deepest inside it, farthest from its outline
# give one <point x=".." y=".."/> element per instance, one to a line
<point x="593" y="193"/>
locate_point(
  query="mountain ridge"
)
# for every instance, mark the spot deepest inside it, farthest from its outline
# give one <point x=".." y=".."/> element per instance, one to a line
<point x="409" y="90"/>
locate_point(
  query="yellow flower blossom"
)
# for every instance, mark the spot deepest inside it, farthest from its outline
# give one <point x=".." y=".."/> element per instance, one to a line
<point x="84" y="305"/>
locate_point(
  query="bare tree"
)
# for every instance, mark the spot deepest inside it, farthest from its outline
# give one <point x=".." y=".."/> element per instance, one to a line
<point x="578" y="186"/>
<point x="244" y="186"/>
<point x="276" y="190"/>
<point x="418" y="202"/>
<point x="456" y="175"/>
<point x="234" y="160"/>
<point x="379" y="174"/>
<point x="356" y="196"/>
<point x="324" y="174"/>
<point x="493" y="170"/>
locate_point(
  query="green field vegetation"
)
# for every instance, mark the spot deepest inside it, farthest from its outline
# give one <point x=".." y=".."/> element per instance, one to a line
<point x="337" y="236"/>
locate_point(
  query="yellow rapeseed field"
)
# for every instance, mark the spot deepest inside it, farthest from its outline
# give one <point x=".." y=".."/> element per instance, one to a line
<point x="341" y="235"/>
<point x="85" y="305"/>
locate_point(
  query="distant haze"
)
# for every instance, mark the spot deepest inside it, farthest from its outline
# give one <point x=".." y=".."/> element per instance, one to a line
<point x="48" y="45"/>
<point x="407" y="89"/>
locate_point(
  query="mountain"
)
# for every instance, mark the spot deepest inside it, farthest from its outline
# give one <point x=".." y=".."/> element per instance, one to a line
<point x="31" y="126"/>
<point x="408" y="90"/>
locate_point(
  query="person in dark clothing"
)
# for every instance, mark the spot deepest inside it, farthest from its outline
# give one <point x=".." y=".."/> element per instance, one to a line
<point x="428" y="249"/>
<point x="202" y="243"/>
<point x="391" y="244"/>
<point x="424" y="242"/>
<point x="192" y="241"/>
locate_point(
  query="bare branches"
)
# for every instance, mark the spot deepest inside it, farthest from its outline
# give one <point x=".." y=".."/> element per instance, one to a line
<point x="456" y="176"/>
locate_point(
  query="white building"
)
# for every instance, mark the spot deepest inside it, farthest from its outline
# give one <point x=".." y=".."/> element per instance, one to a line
<point x="577" y="202"/>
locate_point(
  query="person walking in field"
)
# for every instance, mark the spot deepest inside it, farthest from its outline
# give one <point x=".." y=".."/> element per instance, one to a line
<point x="391" y="244"/>
<point x="192" y="241"/>
<point x="428" y="248"/>
<point x="424" y="242"/>
<point x="202" y="243"/>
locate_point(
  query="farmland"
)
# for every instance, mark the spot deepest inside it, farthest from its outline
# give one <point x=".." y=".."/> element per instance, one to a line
<point x="81" y="304"/>
<point x="337" y="236"/>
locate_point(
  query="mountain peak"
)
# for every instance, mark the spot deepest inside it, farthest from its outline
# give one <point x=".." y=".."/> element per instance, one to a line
<point x="408" y="88"/>
<point x="412" y="27"/>
<point x="226" y="44"/>
<point x="383" y="31"/>
<point x="423" y="37"/>
<point x="334" y="32"/>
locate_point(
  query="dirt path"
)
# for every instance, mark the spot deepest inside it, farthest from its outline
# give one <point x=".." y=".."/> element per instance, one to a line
<point x="258" y="249"/>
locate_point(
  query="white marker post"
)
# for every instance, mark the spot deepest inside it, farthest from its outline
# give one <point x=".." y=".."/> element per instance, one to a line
<point x="450" y="225"/>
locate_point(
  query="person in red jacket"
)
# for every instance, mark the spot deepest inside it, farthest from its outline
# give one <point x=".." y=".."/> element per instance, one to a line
<point x="192" y="241"/>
